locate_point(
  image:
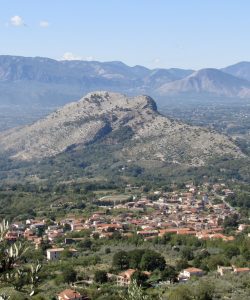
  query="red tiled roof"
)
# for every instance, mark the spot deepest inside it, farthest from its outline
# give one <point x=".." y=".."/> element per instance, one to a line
<point x="193" y="270"/>
<point x="128" y="273"/>
<point x="69" y="294"/>
<point x="241" y="270"/>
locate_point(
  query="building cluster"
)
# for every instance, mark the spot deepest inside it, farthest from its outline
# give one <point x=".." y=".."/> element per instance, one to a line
<point x="192" y="211"/>
<point x="189" y="212"/>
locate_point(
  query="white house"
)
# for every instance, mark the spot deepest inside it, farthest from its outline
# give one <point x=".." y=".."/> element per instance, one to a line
<point x="190" y="272"/>
<point x="54" y="253"/>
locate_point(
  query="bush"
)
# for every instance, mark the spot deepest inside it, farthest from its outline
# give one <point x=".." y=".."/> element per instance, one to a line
<point x="101" y="276"/>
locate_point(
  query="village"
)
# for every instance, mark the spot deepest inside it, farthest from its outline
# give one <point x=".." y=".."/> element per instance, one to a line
<point x="197" y="211"/>
<point x="192" y="212"/>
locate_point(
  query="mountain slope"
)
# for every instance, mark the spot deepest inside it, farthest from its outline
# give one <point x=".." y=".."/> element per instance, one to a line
<point x="208" y="81"/>
<point x="99" y="116"/>
<point x="241" y="70"/>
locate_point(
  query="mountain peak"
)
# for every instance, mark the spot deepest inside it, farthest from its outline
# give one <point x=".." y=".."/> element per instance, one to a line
<point x="205" y="72"/>
<point x="209" y="81"/>
<point x="109" y="100"/>
<point x="241" y="70"/>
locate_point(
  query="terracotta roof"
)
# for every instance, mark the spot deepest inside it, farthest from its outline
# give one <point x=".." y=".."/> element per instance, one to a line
<point x="239" y="270"/>
<point x="186" y="231"/>
<point x="128" y="273"/>
<point x="174" y="230"/>
<point x="109" y="225"/>
<point x="193" y="270"/>
<point x="69" y="294"/>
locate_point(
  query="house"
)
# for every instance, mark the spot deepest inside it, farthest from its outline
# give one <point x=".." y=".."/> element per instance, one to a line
<point x="240" y="270"/>
<point x="224" y="270"/>
<point x="54" y="234"/>
<point x="190" y="272"/>
<point x="108" y="227"/>
<point x="29" y="234"/>
<point x="54" y="253"/>
<point x="11" y="236"/>
<point x="69" y="294"/>
<point x="124" y="278"/>
<point x="243" y="227"/>
<point x="233" y="269"/>
<point x="147" y="233"/>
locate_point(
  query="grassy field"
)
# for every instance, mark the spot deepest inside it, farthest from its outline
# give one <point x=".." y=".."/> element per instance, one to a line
<point x="119" y="198"/>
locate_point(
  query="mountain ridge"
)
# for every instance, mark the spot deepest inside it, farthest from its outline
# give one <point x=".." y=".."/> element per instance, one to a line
<point x="44" y="82"/>
<point x="33" y="82"/>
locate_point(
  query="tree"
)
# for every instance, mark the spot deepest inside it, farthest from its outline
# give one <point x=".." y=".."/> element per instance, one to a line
<point x="214" y="260"/>
<point x="187" y="253"/>
<point x="66" y="227"/>
<point x="17" y="278"/>
<point x="140" y="278"/>
<point x="181" y="264"/>
<point x="68" y="275"/>
<point x="135" y="292"/>
<point x="34" y="277"/>
<point x="152" y="260"/>
<point x="231" y="221"/>
<point x="11" y="264"/>
<point x="232" y="250"/>
<point x="4" y="297"/>
<point x="180" y="293"/>
<point x="121" y="260"/>
<point x="86" y="244"/>
<point x="101" y="276"/>
<point x="66" y="253"/>
<point x="107" y="250"/>
<point x="135" y="257"/>
<point x="96" y="236"/>
<point x="10" y="256"/>
<point x="169" y="274"/>
<point x="203" y="291"/>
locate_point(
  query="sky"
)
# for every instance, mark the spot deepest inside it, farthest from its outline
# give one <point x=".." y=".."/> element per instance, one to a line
<point x="190" y="34"/>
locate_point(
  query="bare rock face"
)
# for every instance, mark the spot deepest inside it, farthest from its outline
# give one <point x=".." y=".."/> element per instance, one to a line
<point x="98" y="114"/>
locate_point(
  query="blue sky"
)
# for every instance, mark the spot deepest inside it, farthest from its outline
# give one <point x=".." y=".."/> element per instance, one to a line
<point x="154" y="33"/>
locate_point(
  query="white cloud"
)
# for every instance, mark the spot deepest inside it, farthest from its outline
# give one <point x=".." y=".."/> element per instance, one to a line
<point x="156" y="61"/>
<point x="89" y="58"/>
<point x="16" y="21"/>
<point x="44" y="24"/>
<point x="71" y="56"/>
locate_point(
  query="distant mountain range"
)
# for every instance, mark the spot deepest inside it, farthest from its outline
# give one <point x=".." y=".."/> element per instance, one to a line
<point x="43" y="82"/>
<point x="46" y="82"/>
<point x="208" y="82"/>
<point x="131" y="127"/>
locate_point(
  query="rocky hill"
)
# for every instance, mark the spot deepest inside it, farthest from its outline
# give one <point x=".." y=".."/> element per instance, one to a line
<point x="113" y="118"/>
